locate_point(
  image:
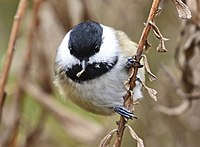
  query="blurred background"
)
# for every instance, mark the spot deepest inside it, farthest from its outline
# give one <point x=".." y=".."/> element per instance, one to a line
<point x="36" y="116"/>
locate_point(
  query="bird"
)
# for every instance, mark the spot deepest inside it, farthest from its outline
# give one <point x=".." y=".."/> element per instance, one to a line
<point x="91" y="68"/>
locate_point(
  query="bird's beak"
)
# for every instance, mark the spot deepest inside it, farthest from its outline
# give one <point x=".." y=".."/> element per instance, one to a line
<point x="84" y="64"/>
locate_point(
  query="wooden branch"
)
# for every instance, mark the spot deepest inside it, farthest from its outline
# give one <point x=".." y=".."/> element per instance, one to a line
<point x="141" y="44"/>
<point x="10" y="50"/>
<point x="12" y="132"/>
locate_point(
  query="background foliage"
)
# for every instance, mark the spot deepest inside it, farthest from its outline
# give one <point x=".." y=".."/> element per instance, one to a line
<point x="47" y="120"/>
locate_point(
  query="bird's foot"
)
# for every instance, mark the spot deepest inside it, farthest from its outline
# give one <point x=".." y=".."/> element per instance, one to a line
<point x="124" y="112"/>
<point x="132" y="62"/>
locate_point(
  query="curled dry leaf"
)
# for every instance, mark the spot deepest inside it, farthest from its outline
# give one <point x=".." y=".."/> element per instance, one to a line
<point x="161" y="47"/>
<point x="129" y="104"/>
<point x="105" y="142"/>
<point x="158" y="35"/>
<point x="175" y="111"/>
<point x="126" y="83"/>
<point x="182" y="9"/>
<point x="147" y="46"/>
<point x="135" y="136"/>
<point x="152" y="92"/>
<point x="151" y="76"/>
<point x="159" y="9"/>
<point x="157" y="32"/>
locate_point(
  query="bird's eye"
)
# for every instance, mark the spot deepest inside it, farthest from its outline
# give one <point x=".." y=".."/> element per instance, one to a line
<point x="97" y="48"/>
<point x="70" y="48"/>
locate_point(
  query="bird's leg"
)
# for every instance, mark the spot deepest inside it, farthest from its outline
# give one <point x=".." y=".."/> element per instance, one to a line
<point x="132" y="62"/>
<point x="124" y="112"/>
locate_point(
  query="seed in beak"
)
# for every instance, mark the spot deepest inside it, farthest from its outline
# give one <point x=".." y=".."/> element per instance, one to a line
<point x="84" y="64"/>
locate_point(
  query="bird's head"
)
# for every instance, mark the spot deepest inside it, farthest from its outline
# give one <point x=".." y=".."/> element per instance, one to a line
<point x="88" y="43"/>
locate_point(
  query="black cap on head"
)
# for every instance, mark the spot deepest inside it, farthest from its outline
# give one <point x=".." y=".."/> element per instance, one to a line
<point x="85" y="39"/>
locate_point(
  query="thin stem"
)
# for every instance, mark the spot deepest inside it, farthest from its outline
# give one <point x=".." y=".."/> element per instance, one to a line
<point x="141" y="44"/>
<point x="10" y="50"/>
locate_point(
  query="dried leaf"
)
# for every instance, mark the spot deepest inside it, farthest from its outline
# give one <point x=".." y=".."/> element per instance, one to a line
<point x="147" y="46"/>
<point x="175" y="111"/>
<point x="105" y="142"/>
<point x="157" y="32"/>
<point x="151" y="76"/>
<point x="135" y="136"/>
<point x="158" y="11"/>
<point x="152" y="92"/>
<point x="182" y="9"/>
<point x="161" y="47"/>
<point x="165" y="39"/>
<point x="126" y="83"/>
<point x="158" y="35"/>
<point x="129" y="104"/>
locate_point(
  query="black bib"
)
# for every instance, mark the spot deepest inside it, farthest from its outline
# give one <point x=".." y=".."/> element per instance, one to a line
<point x="92" y="71"/>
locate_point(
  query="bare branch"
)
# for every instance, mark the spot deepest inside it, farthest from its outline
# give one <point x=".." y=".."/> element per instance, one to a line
<point x="10" y="50"/>
<point x="187" y="98"/>
<point x="175" y="111"/>
<point x="10" y="136"/>
<point x="141" y="46"/>
<point x="34" y="134"/>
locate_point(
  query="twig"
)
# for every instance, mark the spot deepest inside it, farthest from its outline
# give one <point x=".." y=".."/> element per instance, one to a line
<point x="18" y="99"/>
<point x="141" y="44"/>
<point x="34" y="135"/>
<point x="187" y="98"/>
<point x="177" y="87"/>
<point x="175" y="111"/>
<point x="11" y="133"/>
<point x="10" y="50"/>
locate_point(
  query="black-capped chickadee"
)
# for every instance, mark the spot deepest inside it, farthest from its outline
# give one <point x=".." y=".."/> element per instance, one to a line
<point x="90" y="68"/>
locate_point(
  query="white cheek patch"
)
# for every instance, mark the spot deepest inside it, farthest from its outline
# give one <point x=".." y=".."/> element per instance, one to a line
<point x="109" y="48"/>
<point x="63" y="57"/>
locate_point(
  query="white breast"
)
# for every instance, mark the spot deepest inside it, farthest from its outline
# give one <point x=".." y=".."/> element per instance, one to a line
<point x="99" y="95"/>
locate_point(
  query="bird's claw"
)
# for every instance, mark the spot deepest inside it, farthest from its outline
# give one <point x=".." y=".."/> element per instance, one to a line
<point x="132" y="62"/>
<point x="124" y="112"/>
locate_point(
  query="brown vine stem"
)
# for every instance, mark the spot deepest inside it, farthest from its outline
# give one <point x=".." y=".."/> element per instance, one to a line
<point x="141" y="45"/>
<point x="12" y="133"/>
<point x="10" y="50"/>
